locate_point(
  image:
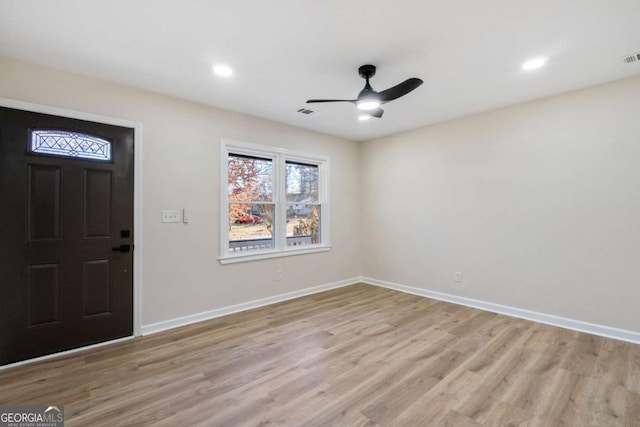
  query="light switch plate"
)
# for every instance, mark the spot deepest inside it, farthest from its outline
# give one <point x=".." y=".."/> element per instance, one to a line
<point x="171" y="216"/>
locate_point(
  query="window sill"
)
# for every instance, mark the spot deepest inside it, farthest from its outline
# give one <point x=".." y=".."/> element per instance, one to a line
<point x="254" y="256"/>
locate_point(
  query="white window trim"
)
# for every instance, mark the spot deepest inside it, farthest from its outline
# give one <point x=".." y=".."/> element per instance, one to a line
<point x="279" y="156"/>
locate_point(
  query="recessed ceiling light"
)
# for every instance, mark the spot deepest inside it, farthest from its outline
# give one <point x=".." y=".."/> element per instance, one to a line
<point x="535" y="63"/>
<point x="364" y="117"/>
<point x="222" y="70"/>
<point x="368" y="105"/>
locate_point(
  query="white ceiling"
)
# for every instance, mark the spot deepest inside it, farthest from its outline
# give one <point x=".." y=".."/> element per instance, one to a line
<point x="468" y="52"/>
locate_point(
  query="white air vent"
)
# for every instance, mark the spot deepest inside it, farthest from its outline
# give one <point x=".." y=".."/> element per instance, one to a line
<point x="305" y="111"/>
<point x="630" y="59"/>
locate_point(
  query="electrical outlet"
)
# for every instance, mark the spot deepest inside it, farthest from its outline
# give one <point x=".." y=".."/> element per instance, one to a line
<point x="457" y="277"/>
<point x="171" y="216"/>
<point x="279" y="275"/>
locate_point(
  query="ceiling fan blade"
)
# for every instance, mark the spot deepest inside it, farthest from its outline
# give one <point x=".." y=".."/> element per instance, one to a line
<point x="330" y="100"/>
<point x="376" y="112"/>
<point x="399" y="90"/>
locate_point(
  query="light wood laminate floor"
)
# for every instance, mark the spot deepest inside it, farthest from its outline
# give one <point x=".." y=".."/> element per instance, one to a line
<point x="355" y="356"/>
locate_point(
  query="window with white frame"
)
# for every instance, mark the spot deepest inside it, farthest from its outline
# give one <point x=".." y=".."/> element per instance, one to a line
<point x="274" y="202"/>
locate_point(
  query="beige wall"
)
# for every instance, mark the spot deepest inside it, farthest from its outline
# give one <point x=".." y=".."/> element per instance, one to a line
<point x="181" y="274"/>
<point x="538" y="206"/>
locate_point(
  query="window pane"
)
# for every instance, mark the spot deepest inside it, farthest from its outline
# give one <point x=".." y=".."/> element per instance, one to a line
<point x="250" y="178"/>
<point x="250" y="226"/>
<point x="303" y="224"/>
<point x="301" y="183"/>
<point x="70" y="144"/>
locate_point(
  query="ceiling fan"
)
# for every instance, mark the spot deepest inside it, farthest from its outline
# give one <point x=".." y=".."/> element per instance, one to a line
<point x="369" y="100"/>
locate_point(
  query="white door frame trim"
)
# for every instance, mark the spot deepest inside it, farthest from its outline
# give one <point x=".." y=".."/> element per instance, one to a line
<point x="137" y="185"/>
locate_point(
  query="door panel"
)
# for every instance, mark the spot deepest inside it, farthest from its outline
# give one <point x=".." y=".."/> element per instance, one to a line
<point x="97" y="287"/>
<point x="43" y="294"/>
<point x="44" y="202"/>
<point x="62" y="210"/>
<point x="97" y="203"/>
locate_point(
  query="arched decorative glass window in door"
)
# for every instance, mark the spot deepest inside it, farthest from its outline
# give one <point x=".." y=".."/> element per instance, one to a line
<point x="70" y="144"/>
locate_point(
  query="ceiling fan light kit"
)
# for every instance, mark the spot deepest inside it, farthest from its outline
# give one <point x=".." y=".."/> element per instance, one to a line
<point x="369" y="100"/>
<point x="368" y="105"/>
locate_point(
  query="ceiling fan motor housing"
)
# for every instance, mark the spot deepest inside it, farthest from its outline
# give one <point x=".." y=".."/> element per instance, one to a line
<point x="367" y="71"/>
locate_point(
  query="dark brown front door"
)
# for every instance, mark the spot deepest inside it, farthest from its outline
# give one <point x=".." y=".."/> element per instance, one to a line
<point x="66" y="233"/>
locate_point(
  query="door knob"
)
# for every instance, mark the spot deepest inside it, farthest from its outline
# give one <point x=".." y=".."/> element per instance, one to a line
<point x="122" y="248"/>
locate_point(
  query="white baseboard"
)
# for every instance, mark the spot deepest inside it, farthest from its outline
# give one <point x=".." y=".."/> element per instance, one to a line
<point x="218" y="312"/>
<point x="549" y="319"/>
